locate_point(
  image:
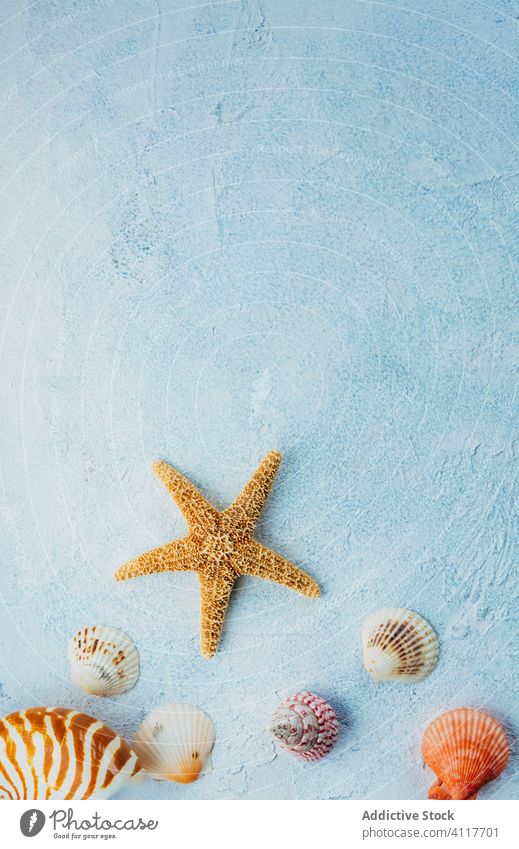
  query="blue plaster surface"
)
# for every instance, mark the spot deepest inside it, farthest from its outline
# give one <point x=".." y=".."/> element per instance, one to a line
<point x="249" y="225"/>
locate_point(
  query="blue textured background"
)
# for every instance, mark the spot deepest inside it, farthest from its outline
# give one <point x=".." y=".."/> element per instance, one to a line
<point x="249" y="225"/>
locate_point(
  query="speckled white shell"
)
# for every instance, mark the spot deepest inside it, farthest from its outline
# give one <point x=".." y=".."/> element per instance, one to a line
<point x="175" y="743"/>
<point x="58" y="753"/>
<point x="398" y="644"/>
<point x="103" y="660"/>
<point x="306" y="726"/>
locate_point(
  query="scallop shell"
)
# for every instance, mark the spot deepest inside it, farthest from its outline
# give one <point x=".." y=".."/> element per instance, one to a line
<point x="103" y="661"/>
<point x="58" y="753"/>
<point x="398" y="644"/>
<point x="306" y="726"/>
<point x="174" y="743"/>
<point x="465" y="748"/>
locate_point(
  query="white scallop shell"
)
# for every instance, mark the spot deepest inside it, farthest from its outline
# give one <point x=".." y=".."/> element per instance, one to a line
<point x="174" y="743"/>
<point x="59" y="753"/>
<point x="398" y="644"/>
<point x="103" y="660"/>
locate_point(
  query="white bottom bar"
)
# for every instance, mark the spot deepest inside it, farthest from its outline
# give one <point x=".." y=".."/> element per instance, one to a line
<point x="233" y="824"/>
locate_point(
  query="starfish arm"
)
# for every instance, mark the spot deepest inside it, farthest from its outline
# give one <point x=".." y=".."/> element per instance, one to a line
<point x="264" y="563"/>
<point x="173" y="557"/>
<point x="245" y="510"/>
<point x="198" y="512"/>
<point x="215" y="592"/>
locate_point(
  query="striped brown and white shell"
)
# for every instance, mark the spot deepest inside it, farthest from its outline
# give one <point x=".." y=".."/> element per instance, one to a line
<point x="103" y="660"/>
<point x="174" y="743"/>
<point x="306" y="726"/>
<point x="58" y="753"/>
<point x="466" y="748"/>
<point x="398" y="644"/>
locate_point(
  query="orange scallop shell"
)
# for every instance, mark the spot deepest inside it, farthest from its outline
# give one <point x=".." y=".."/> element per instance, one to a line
<point x="465" y="748"/>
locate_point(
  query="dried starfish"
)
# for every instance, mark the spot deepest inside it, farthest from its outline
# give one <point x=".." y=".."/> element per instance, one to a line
<point x="219" y="546"/>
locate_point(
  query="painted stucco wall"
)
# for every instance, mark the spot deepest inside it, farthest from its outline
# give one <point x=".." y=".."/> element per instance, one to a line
<point x="247" y="225"/>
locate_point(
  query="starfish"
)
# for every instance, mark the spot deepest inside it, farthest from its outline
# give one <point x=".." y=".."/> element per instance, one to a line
<point x="220" y="546"/>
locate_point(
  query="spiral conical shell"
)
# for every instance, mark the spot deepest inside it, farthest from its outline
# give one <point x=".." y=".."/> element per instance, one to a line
<point x="103" y="660"/>
<point x="398" y="644"/>
<point x="175" y="743"/>
<point x="58" y="753"/>
<point x="306" y="725"/>
<point x="466" y="748"/>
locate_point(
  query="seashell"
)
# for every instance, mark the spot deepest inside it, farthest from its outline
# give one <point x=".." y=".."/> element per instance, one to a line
<point x="174" y="743"/>
<point x="306" y="726"/>
<point x="398" y="644"/>
<point x="58" y="753"/>
<point x="465" y="748"/>
<point x="103" y="661"/>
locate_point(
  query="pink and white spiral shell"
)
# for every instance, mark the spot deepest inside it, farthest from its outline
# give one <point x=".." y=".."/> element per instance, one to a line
<point x="306" y="726"/>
